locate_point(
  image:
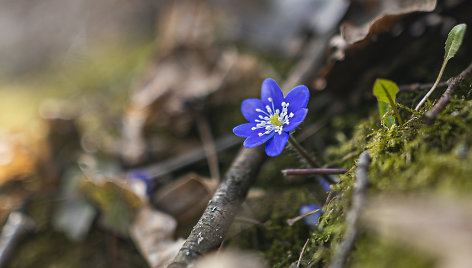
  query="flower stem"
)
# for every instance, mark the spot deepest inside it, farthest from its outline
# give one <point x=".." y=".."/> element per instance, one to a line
<point x="307" y="157"/>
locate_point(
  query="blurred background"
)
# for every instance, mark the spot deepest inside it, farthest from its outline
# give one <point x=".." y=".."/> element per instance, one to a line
<point x="116" y="116"/>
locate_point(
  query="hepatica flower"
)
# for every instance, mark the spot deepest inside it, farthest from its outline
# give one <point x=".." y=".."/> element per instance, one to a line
<point x="272" y="117"/>
<point x="312" y="219"/>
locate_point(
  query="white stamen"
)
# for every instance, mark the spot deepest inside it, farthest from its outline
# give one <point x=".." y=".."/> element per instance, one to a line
<point x="272" y="116"/>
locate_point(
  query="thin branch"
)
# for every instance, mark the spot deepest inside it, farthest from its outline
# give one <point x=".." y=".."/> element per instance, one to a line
<point x="311" y="171"/>
<point x="312" y="162"/>
<point x="418" y="86"/>
<point x="212" y="227"/>
<point x="301" y="253"/>
<point x="453" y="84"/>
<point x="188" y="158"/>
<point x="17" y="226"/>
<point x="352" y="218"/>
<point x="208" y="145"/>
<point x="292" y="221"/>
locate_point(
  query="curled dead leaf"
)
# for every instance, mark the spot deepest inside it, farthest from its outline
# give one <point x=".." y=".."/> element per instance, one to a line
<point x="378" y="16"/>
<point x="185" y="198"/>
<point x="153" y="232"/>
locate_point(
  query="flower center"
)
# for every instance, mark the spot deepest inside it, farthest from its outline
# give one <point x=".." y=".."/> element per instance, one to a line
<point x="273" y="119"/>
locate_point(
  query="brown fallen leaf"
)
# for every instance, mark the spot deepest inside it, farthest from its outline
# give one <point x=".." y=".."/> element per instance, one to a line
<point x="378" y="16"/>
<point x="153" y="232"/>
<point x="439" y="225"/>
<point x="115" y="199"/>
<point x="231" y="259"/>
<point x="20" y="154"/>
<point x="185" y="198"/>
<point x="189" y="66"/>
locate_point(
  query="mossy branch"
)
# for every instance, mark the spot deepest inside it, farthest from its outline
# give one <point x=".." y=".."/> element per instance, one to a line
<point x="352" y="218"/>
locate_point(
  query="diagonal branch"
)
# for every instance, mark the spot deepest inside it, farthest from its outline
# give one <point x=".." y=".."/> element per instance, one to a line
<point x="352" y="218"/>
<point x="453" y="84"/>
<point x="210" y="230"/>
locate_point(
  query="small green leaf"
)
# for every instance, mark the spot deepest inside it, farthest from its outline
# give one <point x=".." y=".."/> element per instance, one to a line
<point x="454" y="41"/>
<point x="386" y="91"/>
<point x="383" y="109"/>
<point x="383" y="88"/>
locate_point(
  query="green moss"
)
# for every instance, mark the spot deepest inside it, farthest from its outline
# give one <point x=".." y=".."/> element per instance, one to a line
<point x="409" y="158"/>
<point x="279" y="243"/>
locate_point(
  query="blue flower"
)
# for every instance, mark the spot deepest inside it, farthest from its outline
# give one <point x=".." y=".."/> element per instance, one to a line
<point x="312" y="219"/>
<point x="272" y="117"/>
<point x="144" y="178"/>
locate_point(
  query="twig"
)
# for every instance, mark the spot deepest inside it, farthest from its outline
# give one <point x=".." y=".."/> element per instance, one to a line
<point x="292" y="221"/>
<point x="190" y="157"/>
<point x="211" y="229"/>
<point x="18" y="225"/>
<point x="208" y="145"/>
<point x="418" y="86"/>
<point x="452" y="83"/>
<point x="262" y="225"/>
<point x="312" y="162"/>
<point x="352" y="218"/>
<point x="301" y="253"/>
<point x="310" y="171"/>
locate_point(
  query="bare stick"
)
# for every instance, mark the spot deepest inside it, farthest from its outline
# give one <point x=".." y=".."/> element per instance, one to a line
<point x="310" y="171"/>
<point x="312" y="162"/>
<point x="208" y="145"/>
<point x="188" y="158"/>
<point x="352" y="218"/>
<point x="301" y="253"/>
<point x="453" y="83"/>
<point x="418" y="86"/>
<point x="18" y="225"/>
<point x="211" y="229"/>
<point x="292" y="221"/>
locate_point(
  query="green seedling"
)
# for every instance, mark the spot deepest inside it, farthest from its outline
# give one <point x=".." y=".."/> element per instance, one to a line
<point x="453" y="42"/>
<point x="386" y="91"/>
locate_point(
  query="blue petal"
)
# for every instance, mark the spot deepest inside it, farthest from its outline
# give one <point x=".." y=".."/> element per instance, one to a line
<point x="270" y="89"/>
<point x="255" y="140"/>
<point x="298" y="98"/>
<point x="248" y="109"/>
<point x="298" y="117"/>
<point x="277" y="144"/>
<point x="313" y="219"/>
<point x="244" y="130"/>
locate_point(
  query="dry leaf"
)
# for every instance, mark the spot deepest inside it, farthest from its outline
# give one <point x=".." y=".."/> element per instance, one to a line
<point x="439" y="225"/>
<point x="116" y="200"/>
<point x="153" y="233"/>
<point x="20" y="154"/>
<point x="231" y="259"/>
<point x="185" y="198"/>
<point x="379" y="16"/>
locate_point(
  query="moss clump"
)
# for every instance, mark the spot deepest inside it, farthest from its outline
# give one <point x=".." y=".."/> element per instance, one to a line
<point x="279" y="243"/>
<point x="409" y="158"/>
